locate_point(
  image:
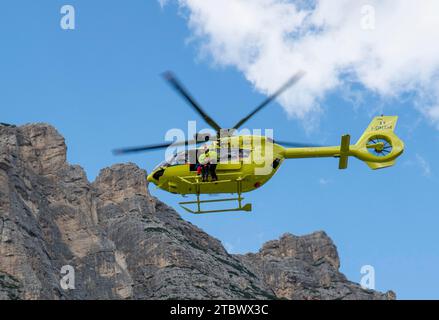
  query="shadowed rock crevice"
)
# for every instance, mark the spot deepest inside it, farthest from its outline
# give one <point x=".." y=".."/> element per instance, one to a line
<point x="125" y="244"/>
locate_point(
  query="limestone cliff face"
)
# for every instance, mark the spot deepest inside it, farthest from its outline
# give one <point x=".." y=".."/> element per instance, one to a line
<point x="125" y="244"/>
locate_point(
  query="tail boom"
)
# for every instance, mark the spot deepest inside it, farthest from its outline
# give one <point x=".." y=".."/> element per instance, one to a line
<point x="378" y="147"/>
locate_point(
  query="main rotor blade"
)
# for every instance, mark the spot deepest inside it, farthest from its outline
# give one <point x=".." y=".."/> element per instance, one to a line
<point x="287" y="85"/>
<point x="296" y="144"/>
<point x="173" y="81"/>
<point x="152" y="147"/>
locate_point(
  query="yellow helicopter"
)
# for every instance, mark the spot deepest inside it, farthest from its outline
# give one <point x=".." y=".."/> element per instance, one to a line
<point x="247" y="162"/>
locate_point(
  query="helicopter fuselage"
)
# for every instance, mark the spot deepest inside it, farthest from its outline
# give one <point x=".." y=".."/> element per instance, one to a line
<point x="244" y="163"/>
<point x="247" y="162"/>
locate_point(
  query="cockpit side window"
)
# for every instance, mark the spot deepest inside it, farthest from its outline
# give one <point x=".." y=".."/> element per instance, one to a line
<point x="234" y="154"/>
<point x="176" y="159"/>
<point x="180" y="158"/>
<point x="244" y="153"/>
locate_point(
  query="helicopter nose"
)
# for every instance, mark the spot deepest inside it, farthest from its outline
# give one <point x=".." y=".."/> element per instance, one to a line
<point x="154" y="176"/>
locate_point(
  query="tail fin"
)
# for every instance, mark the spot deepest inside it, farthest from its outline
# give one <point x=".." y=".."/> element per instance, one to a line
<point x="379" y="125"/>
<point x="379" y="146"/>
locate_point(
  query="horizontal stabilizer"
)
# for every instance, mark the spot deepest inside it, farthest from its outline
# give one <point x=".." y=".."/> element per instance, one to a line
<point x="344" y="151"/>
<point x="380" y="165"/>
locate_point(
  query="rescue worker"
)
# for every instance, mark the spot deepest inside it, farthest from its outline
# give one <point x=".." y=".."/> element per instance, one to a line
<point x="208" y="162"/>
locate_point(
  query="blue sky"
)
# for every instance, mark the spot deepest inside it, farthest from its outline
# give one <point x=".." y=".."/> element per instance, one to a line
<point x="100" y="86"/>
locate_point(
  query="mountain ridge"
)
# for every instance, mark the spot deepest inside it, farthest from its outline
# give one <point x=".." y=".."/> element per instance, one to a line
<point x="124" y="243"/>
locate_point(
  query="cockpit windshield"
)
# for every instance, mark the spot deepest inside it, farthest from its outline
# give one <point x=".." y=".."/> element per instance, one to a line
<point x="176" y="159"/>
<point x="224" y="157"/>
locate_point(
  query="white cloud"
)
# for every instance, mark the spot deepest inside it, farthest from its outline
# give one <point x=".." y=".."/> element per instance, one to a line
<point x="163" y="3"/>
<point x="323" y="181"/>
<point x="433" y="114"/>
<point x="424" y="165"/>
<point x="269" y="40"/>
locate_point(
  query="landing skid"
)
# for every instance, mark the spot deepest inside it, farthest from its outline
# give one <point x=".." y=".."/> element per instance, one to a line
<point x="198" y="202"/>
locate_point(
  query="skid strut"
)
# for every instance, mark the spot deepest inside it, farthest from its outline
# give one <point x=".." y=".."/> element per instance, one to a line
<point x="198" y="202"/>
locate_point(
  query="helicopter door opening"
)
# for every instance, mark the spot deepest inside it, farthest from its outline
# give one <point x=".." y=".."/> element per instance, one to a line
<point x="227" y="160"/>
<point x="193" y="160"/>
<point x="231" y="159"/>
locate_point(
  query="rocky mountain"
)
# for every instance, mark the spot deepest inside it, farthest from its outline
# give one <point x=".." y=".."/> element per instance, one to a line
<point x="125" y="244"/>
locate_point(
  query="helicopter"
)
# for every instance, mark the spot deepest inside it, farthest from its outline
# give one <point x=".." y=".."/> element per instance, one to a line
<point x="246" y="162"/>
